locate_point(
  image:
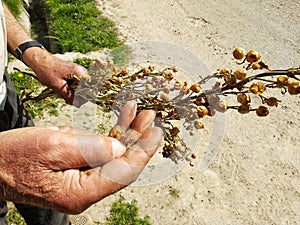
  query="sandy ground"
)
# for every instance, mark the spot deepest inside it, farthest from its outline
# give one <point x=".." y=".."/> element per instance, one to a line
<point x="255" y="177"/>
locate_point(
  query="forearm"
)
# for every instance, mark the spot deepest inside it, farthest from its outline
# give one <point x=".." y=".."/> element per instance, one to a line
<point x="17" y="35"/>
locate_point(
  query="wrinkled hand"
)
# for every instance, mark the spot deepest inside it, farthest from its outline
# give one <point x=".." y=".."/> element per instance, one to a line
<point x="54" y="73"/>
<point x="68" y="170"/>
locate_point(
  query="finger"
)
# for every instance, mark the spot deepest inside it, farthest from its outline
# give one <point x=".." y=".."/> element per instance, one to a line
<point x="77" y="151"/>
<point x="141" y="123"/>
<point x="127" y="115"/>
<point x="121" y="172"/>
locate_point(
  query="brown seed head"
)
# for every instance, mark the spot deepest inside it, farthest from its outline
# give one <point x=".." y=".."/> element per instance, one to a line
<point x="198" y="124"/>
<point x="125" y="71"/>
<point x="195" y="88"/>
<point x="256" y="66"/>
<point x="294" y="88"/>
<point x="283" y="81"/>
<point x="253" y="56"/>
<point x="262" y="111"/>
<point x="239" y="53"/>
<point x="221" y="106"/>
<point x="225" y="71"/>
<point x="244" y="109"/>
<point x="243" y="98"/>
<point x="240" y="74"/>
<point x="258" y="88"/>
<point x="272" y="101"/>
<point x="202" y="111"/>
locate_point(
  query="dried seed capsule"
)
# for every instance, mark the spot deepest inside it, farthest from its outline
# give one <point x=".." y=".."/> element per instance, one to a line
<point x="221" y="106"/>
<point x="294" y="88"/>
<point x="263" y="65"/>
<point x="258" y="88"/>
<point x="151" y="67"/>
<point x="185" y="89"/>
<point x="262" y="111"/>
<point x="282" y="81"/>
<point x="230" y="79"/>
<point x="239" y="53"/>
<point x="175" y="69"/>
<point x="174" y="131"/>
<point x="200" y="101"/>
<point x="166" y="90"/>
<point x="225" y="71"/>
<point x="195" y="88"/>
<point x="211" y="111"/>
<point x="146" y="71"/>
<point x="198" y="124"/>
<point x="125" y="71"/>
<point x="168" y="75"/>
<point x="272" y="101"/>
<point x="241" y="74"/>
<point x="244" y="109"/>
<point x="256" y="66"/>
<point x="164" y="96"/>
<point x="177" y="84"/>
<point x="253" y="56"/>
<point x="243" y="98"/>
<point x="194" y="155"/>
<point x="117" y="132"/>
<point x="202" y="111"/>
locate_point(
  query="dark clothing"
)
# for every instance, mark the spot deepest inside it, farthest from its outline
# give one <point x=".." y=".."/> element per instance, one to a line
<point x="15" y="116"/>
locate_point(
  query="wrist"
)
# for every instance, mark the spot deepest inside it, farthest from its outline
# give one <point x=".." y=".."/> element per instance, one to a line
<point x="25" y="47"/>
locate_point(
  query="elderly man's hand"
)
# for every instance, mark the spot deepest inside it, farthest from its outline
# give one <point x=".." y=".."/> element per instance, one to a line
<point x="69" y="170"/>
<point x="54" y="72"/>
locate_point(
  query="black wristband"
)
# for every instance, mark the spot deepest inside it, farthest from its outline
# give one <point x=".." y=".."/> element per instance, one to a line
<point x="24" y="46"/>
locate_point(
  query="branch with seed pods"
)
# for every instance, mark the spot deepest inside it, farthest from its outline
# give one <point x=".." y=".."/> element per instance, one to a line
<point x="177" y="100"/>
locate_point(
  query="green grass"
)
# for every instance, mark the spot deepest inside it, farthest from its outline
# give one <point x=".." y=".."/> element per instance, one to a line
<point x="14" y="218"/>
<point x="78" y="26"/>
<point x="26" y="84"/>
<point x="123" y="213"/>
<point x="15" y="6"/>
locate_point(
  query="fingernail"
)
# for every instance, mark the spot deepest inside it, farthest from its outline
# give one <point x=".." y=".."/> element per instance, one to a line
<point x="118" y="149"/>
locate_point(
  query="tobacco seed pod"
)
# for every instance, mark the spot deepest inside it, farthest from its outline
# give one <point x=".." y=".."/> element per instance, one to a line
<point x="198" y="124"/>
<point x="195" y="88"/>
<point x="257" y="88"/>
<point x="164" y="96"/>
<point x="185" y="89"/>
<point x="200" y="101"/>
<point x="239" y="53"/>
<point x="151" y="67"/>
<point x="168" y="75"/>
<point x="211" y="111"/>
<point x="262" y="111"/>
<point x="174" y="131"/>
<point x="263" y="65"/>
<point x="283" y="81"/>
<point x="230" y="79"/>
<point x="166" y="90"/>
<point x="272" y="101"/>
<point x="253" y="56"/>
<point x="243" y="98"/>
<point x="221" y="106"/>
<point x="125" y="71"/>
<point x="256" y="66"/>
<point x="146" y="71"/>
<point x="225" y="71"/>
<point x="294" y="88"/>
<point x="241" y="74"/>
<point x="175" y="69"/>
<point x="177" y="84"/>
<point x="202" y="111"/>
<point x="194" y="155"/>
<point x="117" y="132"/>
<point x="244" y="109"/>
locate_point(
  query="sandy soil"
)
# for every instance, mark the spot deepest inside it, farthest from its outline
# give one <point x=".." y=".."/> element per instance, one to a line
<point x="255" y="177"/>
